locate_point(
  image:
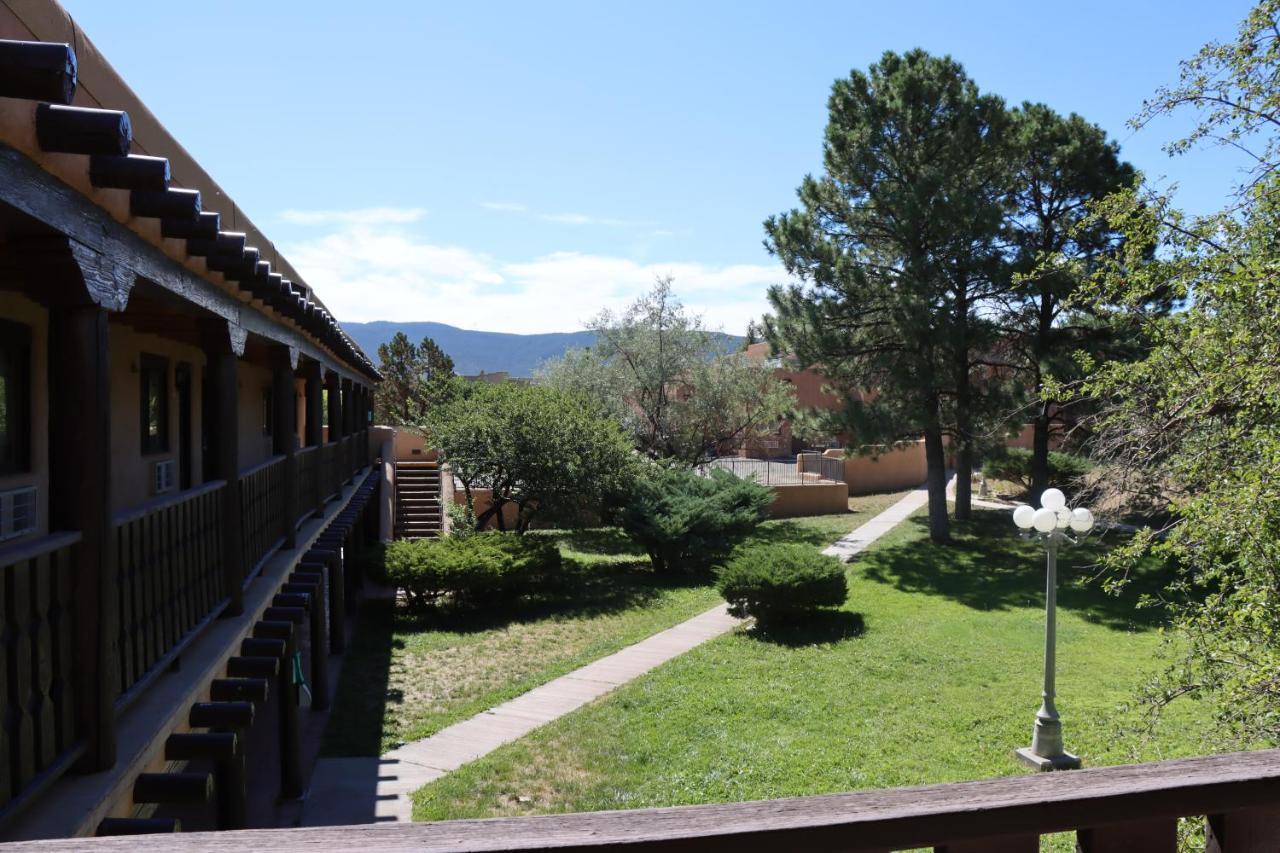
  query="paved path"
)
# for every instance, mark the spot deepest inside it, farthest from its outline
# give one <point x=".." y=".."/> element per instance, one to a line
<point x="851" y="544"/>
<point x="366" y="790"/>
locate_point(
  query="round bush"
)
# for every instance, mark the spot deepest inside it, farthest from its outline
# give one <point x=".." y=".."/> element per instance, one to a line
<point x="781" y="583"/>
<point x="477" y="567"/>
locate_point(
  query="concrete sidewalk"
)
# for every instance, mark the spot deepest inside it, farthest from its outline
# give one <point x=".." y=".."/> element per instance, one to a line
<point x="851" y="544"/>
<point x="366" y="790"/>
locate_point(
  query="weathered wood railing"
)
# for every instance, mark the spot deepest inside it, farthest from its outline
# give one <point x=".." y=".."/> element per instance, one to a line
<point x="305" y="480"/>
<point x="170" y="557"/>
<point x="261" y="512"/>
<point x="330" y="478"/>
<point x="1131" y="808"/>
<point x="37" y="694"/>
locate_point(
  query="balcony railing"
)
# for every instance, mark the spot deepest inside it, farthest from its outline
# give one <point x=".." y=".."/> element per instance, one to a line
<point x="172" y="580"/>
<point x="169" y="557"/>
<point x="261" y="512"/>
<point x="37" y="694"/>
<point x="1131" y="808"/>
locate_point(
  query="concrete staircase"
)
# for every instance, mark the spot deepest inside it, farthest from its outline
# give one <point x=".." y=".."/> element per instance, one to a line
<point x="419" y="514"/>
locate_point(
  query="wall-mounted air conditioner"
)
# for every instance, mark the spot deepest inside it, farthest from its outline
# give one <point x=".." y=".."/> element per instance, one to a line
<point x="17" y="512"/>
<point x="162" y="477"/>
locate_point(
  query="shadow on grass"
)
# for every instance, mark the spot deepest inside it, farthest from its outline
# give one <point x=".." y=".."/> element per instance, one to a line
<point x="586" y="589"/>
<point x="988" y="566"/>
<point x="818" y="628"/>
<point x="788" y="531"/>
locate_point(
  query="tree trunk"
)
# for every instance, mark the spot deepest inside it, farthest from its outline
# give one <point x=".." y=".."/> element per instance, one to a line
<point x="964" y="477"/>
<point x="1040" y="456"/>
<point x="936" y="480"/>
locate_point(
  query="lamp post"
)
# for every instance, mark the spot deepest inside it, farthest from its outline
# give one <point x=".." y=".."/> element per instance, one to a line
<point x="1050" y="524"/>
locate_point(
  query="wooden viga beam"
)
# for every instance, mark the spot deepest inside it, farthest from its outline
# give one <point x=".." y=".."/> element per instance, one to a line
<point x="165" y="204"/>
<point x="37" y="71"/>
<point x="82" y="130"/>
<point x="205" y="227"/>
<point x="134" y="172"/>
<point x="220" y="243"/>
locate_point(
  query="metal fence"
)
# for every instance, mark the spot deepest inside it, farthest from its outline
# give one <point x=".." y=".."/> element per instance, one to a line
<point x="774" y="472"/>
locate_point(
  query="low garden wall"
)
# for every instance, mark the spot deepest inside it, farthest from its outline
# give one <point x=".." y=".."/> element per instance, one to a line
<point x="794" y="501"/>
<point x="896" y="469"/>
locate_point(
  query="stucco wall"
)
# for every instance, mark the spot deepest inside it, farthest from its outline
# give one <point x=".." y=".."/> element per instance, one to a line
<point x="131" y="478"/>
<point x="411" y="446"/>
<point x="22" y="310"/>
<point x="899" y="468"/>
<point x="812" y="499"/>
<point x="255" y="445"/>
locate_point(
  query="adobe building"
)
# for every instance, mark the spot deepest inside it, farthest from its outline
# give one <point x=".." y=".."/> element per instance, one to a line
<point x="185" y="466"/>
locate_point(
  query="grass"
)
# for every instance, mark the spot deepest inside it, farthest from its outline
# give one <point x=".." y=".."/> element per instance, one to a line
<point x="406" y="676"/>
<point x="930" y="673"/>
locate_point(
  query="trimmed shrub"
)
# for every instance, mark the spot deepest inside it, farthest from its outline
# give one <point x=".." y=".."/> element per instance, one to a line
<point x="1014" y="465"/>
<point x="781" y="583"/>
<point x="478" y="567"/>
<point x="687" y="523"/>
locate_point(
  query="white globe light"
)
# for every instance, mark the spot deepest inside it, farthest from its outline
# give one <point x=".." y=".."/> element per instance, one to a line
<point x="1081" y="520"/>
<point x="1064" y="518"/>
<point x="1053" y="499"/>
<point x="1024" y="516"/>
<point x="1045" y="520"/>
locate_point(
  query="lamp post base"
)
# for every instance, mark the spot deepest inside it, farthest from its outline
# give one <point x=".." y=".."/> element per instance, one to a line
<point x="1062" y="761"/>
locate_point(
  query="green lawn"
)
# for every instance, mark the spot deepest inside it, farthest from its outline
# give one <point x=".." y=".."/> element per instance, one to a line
<point x="406" y="677"/>
<point x="930" y="673"/>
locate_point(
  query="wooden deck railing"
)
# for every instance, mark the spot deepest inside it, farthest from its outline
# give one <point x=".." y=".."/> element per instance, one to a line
<point x="305" y="480"/>
<point x="170" y="557"/>
<point x="261" y="512"/>
<point x="37" y="695"/>
<point x="330" y="477"/>
<point x="1132" y="808"/>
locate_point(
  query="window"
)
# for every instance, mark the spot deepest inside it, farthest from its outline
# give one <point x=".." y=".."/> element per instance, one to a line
<point x="15" y="398"/>
<point x="268" y="412"/>
<point x="17" y="512"/>
<point x="155" y="403"/>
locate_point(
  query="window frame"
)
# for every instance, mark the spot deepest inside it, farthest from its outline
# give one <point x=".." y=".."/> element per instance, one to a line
<point x="16" y="341"/>
<point x="149" y="366"/>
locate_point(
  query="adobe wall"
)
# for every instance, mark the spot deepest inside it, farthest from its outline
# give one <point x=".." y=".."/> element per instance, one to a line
<point x="813" y="499"/>
<point x="131" y="470"/>
<point x="411" y="446"/>
<point x="896" y="469"/>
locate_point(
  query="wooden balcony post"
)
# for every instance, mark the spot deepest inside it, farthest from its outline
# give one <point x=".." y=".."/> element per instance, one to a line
<point x="1248" y="830"/>
<point x="284" y="435"/>
<point x="223" y="346"/>
<point x="314" y="375"/>
<point x="333" y="386"/>
<point x="348" y="418"/>
<point x="80" y="499"/>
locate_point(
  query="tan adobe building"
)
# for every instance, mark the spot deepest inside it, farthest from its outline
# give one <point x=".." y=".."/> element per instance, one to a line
<point x="184" y="462"/>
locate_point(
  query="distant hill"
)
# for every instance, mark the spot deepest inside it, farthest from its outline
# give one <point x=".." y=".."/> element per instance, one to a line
<point x="473" y="351"/>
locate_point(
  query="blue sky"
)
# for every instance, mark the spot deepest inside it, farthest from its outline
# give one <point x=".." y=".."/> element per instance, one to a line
<point x="518" y="166"/>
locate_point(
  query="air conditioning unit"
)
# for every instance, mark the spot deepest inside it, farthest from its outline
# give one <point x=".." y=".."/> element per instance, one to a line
<point x="162" y="477"/>
<point x="17" y="512"/>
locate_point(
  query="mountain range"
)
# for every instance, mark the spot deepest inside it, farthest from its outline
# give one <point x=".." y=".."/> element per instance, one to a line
<point x="474" y="351"/>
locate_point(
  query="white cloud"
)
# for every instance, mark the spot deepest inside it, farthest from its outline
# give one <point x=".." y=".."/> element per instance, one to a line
<point x="362" y="216"/>
<point x="567" y="218"/>
<point x="509" y="206"/>
<point x="363" y="274"/>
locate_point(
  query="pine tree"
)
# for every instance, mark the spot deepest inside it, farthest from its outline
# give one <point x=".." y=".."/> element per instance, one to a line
<point x="895" y="246"/>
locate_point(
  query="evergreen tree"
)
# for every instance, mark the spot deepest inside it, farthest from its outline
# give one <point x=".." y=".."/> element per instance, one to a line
<point x="415" y="379"/>
<point x="1062" y="166"/>
<point x="896" y="246"/>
